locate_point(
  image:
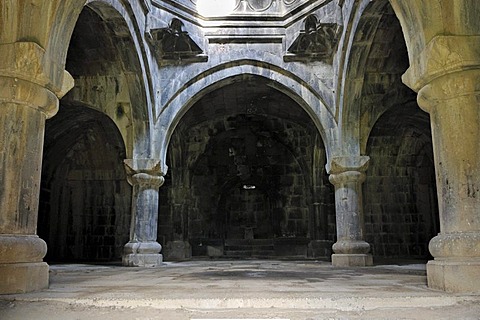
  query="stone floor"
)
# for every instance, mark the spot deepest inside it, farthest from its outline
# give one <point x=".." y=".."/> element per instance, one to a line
<point x="248" y="289"/>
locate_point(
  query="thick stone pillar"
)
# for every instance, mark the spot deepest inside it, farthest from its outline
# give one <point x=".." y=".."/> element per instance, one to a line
<point x="30" y="86"/>
<point x="24" y="106"/>
<point x="453" y="101"/>
<point x="146" y="178"/>
<point x="347" y="175"/>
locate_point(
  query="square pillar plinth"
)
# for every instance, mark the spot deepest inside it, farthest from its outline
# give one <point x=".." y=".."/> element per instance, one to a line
<point x="23" y="277"/>
<point x="142" y="260"/>
<point x="352" y="260"/>
<point x="454" y="275"/>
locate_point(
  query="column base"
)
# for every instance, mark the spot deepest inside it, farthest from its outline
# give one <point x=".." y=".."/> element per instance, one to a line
<point x="23" y="277"/>
<point x="454" y="275"/>
<point x="147" y="260"/>
<point x="352" y="260"/>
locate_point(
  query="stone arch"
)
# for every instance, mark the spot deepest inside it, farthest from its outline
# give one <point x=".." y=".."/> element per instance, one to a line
<point x="224" y="74"/>
<point x="385" y="62"/>
<point x="365" y="22"/>
<point x="245" y="128"/>
<point x="84" y="212"/>
<point x="401" y="212"/>
<point x="373" y="98"/>
<point x="122" y="87"/>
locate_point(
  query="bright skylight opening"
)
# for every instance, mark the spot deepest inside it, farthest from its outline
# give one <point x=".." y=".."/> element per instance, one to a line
<point x="216" y="8"/>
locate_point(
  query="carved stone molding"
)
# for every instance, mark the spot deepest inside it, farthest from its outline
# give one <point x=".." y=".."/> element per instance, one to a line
<point x="260" y="6"/>
<point x="317" y="42"/>
<point x="174" y="45"/>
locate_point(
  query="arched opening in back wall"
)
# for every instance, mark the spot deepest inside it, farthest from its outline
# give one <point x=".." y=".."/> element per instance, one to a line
<point x="401" y="211"/>
<point x="246" y="178"/>
<point x="85" y="199"/>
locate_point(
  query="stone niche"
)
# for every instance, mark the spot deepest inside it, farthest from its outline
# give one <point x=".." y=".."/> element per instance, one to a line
<point x="316" y="42"/>
<point x="174" y="45"/>
<point x="242" y="179"/>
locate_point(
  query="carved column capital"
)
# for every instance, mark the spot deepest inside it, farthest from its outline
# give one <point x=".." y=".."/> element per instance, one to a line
<point x="144" y="172"/>
<point x="343" y="164"/>
<point x="146" y="180"/>
<point x="450" y="89"/>
<point x="346" y="177"/>
<point x="15" y="91"/>
<point x="29" y="62"/>
<point x="443" y="55"/>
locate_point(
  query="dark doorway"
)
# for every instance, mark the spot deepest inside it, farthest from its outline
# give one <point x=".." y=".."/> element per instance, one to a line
<point x="85" y="199"/>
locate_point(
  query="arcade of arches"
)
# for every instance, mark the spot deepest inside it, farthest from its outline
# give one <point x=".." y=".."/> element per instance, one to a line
<point x="151" y="130"/>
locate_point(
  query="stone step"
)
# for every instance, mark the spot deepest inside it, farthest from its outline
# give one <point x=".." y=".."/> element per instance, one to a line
<point x="249" y="253"/>
<point x="241" y="248"/>
<point x="248" y="242"/>
<point x="249" y="248"/>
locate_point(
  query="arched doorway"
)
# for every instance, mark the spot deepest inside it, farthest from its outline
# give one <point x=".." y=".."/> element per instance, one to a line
<point x="246" y="178"/>
<point x="84" y="210"/>
<point x="401" y="213"/>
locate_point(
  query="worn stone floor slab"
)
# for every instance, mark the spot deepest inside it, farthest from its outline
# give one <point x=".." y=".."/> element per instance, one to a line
<point x="262" y="289"/>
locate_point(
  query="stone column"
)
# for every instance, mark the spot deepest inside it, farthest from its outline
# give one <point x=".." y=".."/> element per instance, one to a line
<point x="453" y="101"/>
<point x="24" y="106"/>
<point x="347" y="175"/>
<point x="30" y="86"/>
<point x="146" y="178"/>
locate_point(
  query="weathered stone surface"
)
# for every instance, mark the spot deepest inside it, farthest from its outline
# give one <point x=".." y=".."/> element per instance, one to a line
<point x="247" y="164"/>
<point x="445" y="72"/>
<point x="352" y="260"/>
<point x="347" y="175"/>
<point x="24" y="106"/>
<point x="460" y="275"/>
<point x="23" y="277"/>
<point x="145" y="177"/>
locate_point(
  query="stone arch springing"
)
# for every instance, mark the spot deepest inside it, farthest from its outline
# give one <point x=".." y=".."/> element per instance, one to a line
<point x="367" y="23"/>
<point x="107" y="57"/>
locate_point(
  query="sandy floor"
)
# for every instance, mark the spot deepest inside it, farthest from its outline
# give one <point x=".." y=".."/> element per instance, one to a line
<point x="239" y="290"/>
